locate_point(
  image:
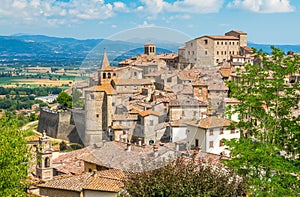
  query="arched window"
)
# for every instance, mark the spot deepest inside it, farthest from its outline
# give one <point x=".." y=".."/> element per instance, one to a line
<point x="104" y="75"/>
<point x="47" y="162"/>
<point x="109" y="75"/>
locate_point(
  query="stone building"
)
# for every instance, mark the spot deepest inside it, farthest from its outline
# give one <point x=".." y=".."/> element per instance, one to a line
<point x="44" y="168"/>
<point x="208" y="133"/>
<point x="208" y="51"/>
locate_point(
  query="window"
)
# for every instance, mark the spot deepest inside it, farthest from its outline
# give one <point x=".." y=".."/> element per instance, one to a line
<point x="97" y="115"/>
<point x="189" y="52"/>
<point x="92" y="96"/>
<point x="221" y="131"/>
<point x="229" y="43"/>
<point x="104" y="75"/>
<point x="135" y="74"/>
<point x="217" y="43"/>
<point x="193" y="52"/>
<point x="221" y="143"/>
<point x="237" y="43"/>
<point x="113" y="104"/>
<point x="221" y="52"/>
<point x="90" y="170"/>
<point x="232" y="131"/>
<point x="195" y="113"/>
<point x="196" y="142"/>
<point x="205" y="41"/>
<point x="114" y="74"/>
<point x="109" y="75"/>
<point x="182" y="113"/>
<point x="151" y="122"/>
<point x="232" y="43"/>
<point x="221" y="43"/>
<point x="169" y="79"/>
<point x="217" y="60"/>
<point x="211" y="132"/>
<point x="191" y="44"/>
<point x="200" y="91"/>
<point x="225" y="43"/>
<point x="205" y="52"/>
<point x="217" y="52"/>
<point x="211" y="144"/>
<point x="47" y="162"/>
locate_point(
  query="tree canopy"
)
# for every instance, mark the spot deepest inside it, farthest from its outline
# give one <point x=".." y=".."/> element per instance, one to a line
<point x="265" y="155"/>
<point x="14" y="158"/>
<point x="184" y="178"/>
<point x="64" y="99"/>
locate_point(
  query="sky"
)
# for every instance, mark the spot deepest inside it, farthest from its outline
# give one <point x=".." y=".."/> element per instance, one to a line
<point x="265" y="21"/>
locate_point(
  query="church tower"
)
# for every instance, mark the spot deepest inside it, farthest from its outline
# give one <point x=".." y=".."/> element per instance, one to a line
<point x="150" y="49"/>
<point x="44" y="169"/>
<point x="98" y="105"/>
<point x="105" y="73"/>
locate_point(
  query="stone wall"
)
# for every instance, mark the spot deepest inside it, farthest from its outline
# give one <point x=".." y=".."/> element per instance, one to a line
<point x="67" y="125"/>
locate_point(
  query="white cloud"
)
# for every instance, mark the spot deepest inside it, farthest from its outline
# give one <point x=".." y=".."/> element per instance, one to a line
<point x="263" y="6"/>
<point x="56" y="12"/>
<point x="183" y="6"/>
<point x="146" y="24"/>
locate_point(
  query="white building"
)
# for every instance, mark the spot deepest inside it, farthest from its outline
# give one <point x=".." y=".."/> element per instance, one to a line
<point x="208" y="134"/>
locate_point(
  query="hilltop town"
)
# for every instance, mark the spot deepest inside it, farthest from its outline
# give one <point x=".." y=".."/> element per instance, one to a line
<point x="150" y="110"/>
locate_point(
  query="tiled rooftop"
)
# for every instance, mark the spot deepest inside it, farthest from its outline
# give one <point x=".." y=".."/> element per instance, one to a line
<point x="210" y="122"/>
<point x="107" y="180"/>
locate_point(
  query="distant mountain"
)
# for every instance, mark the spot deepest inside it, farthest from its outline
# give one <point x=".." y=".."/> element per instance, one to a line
<point x="267" y="47"/>
<point x="22" y="49"/>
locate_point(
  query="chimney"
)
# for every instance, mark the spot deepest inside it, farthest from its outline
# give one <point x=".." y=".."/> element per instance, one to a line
<point x="155" y="150"/>
<point x="140" y="141"/>
<point x="128" y="147"/>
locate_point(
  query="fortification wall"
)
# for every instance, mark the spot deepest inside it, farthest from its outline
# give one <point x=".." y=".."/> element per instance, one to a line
<point x="48" y="121"/>
<point x="66" y="125"/>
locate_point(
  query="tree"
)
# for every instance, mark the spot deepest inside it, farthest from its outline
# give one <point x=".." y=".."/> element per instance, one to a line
<point x="265" y="154"/>
<point x="64" y="99"/>
<point x="14" y="158"/>
<point x="77" y="101"/>
<point x="184" y="178"/>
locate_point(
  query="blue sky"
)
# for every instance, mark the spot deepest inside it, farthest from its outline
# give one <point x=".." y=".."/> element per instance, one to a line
<point x="265" y="21"/>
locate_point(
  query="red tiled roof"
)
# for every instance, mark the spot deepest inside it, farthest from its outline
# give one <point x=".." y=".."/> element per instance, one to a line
<point x="107" y="180"/>
<point x="210" y="122"/>
<point x="149" y="112"/>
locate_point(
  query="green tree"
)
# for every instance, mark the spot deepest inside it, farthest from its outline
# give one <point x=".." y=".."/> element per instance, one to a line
<point x="265" y="154"/>
<point x="77" y="101"/>
<point x="64" y="99"/>
<point x="184" y="178"/>
<point x="14" y="158"/>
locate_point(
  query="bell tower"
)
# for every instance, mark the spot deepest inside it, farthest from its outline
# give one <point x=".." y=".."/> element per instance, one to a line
<point x="150" y="49"/>
<point x="44" y="169"/>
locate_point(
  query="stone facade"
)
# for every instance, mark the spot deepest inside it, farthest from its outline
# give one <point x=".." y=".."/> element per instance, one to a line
<point x="208" y="51"/>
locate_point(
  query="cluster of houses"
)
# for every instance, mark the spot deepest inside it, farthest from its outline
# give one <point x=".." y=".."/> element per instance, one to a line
<point x="151" y="109"/>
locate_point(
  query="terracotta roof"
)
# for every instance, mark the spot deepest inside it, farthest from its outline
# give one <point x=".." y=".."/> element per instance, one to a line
<point x="132" y="81"/>
<point x="181" y="47"/>
<point x="238" y="31"/>
<point x="119" y="127"/>
<point x="68" y="163"/>
<point x="246" y="48"/>
<point x="225" y="72"/>
<point x="210" y="122"/>
<point x="149" y="112"/>
<point x="114" y="155"/>
<point x="187" y="102"/>
<point x="107" y="180"/>
<point x="106" y="87"/>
